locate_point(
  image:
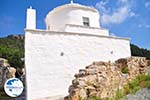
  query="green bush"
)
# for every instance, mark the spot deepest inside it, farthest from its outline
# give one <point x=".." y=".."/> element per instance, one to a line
<point x="108" y="98"/>
<point x="13" y="50"/>
<point x="125" y="70"/>
<point x="144" y="77"/>
<point x="127" y="89"/>
<point x="80" y="98"/>
<point x="145" y="84"/>
<point x="141" y="81"/>
<point x="119" y="94"/>
<point x="95" y="98"/>
<point x="134" y="83"/>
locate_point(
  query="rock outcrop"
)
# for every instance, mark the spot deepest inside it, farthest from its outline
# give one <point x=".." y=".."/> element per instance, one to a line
<point x="6" y="72"/>
<point x="102" y="79"/>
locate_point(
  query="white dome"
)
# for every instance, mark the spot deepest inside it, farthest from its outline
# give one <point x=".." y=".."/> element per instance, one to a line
<point x="72" y="14"/>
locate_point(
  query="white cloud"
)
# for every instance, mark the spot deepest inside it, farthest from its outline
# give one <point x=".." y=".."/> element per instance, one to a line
<point x="147" y="26"/>
<point x="147" y="4"/>
<point x="112" y="34"/>
<point x="144" y="26"/>
<point x="101" y="6"/>
<point x="132" y="14"/>
<point x="123" y="1"/>
<point x="115" y="15"/>
<point x="140" y="25"/>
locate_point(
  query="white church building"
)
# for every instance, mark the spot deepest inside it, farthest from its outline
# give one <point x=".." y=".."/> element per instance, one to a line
<point x="72" y="40"/>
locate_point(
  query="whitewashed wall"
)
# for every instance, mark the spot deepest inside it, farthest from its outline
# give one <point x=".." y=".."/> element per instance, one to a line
<point x="52" y="58"/>
<point x="86" y="30"/>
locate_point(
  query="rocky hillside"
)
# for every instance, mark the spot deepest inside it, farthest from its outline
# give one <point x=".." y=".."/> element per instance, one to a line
<point x="141" y="52"/>
<point x="12" y="49"/>
<point x="110" y="81"/>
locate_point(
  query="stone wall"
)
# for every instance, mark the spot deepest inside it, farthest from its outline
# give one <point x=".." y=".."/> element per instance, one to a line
<point x="104" y="78"/>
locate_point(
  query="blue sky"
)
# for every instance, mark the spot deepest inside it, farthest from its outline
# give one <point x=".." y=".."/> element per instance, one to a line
<point x="123" y="18"/>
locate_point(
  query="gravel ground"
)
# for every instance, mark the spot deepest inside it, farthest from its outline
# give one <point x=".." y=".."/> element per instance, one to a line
<point x="142" y="94"/>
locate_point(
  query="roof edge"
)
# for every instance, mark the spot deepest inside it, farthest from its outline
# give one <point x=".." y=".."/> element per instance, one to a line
<point x="73" y="5"/>
<point x="73" y="33"/>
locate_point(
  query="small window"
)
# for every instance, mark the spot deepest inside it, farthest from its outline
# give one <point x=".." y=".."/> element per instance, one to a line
<point x="86" y="21"/>
<point x="61" y="54"/>
<point x="48" y="27"/>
